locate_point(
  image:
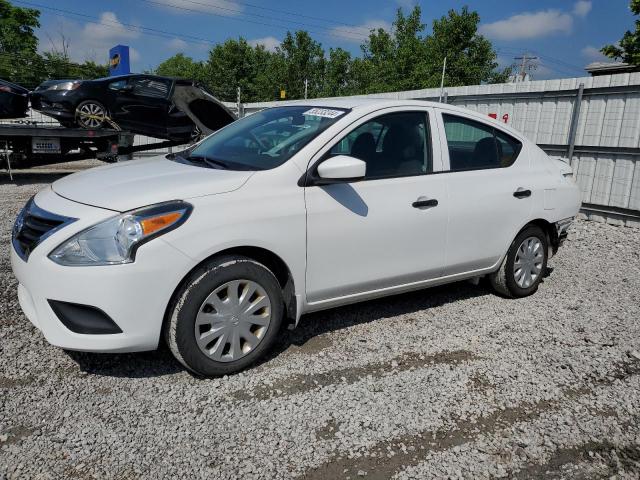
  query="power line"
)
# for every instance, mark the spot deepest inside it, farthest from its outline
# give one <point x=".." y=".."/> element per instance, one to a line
<point x="155" y="31"/>
<point x="347" y="33"/>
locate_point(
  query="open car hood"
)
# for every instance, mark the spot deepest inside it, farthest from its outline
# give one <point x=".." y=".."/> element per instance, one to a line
<point x="205" y="110"/>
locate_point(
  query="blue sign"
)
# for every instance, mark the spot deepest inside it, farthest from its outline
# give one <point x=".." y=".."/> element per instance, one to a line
<point x="119" y="60"/>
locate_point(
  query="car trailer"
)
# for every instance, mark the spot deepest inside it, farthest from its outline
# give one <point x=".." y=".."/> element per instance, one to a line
<point x="24" y="146"/>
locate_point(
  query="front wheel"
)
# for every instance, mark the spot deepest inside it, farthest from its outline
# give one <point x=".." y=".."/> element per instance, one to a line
<point x="524" y="266"/>
<point x="225" y="317"/>
<point x="91" y="114"/>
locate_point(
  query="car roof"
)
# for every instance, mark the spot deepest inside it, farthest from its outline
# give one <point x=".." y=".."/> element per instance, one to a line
<point x="372" y="103"/>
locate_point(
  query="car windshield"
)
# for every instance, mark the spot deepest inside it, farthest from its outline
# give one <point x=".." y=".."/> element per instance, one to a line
<point x="263" y="140"/>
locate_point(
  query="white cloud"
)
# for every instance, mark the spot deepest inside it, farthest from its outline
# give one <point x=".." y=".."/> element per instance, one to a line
<point x="92" y="40"/>
<point x="270" y="43"/>
<point x="593" y="54"/>
<point x="529" y="25"/>
<point x="177" y="44"/>
<point x="359" y="33"/>
<point x="582" y="8"/>
<point x="228" y="8"/>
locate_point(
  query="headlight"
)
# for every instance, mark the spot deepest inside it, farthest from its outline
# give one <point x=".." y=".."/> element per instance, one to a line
<point x="65" y="86"/>
<point x="116" y="240"/>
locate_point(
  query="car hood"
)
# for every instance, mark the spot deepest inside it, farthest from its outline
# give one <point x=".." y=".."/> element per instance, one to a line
<point x="138" y="183"/>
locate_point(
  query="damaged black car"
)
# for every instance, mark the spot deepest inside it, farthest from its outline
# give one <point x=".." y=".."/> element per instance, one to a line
<point x="160" y="107"/>
<point x="14" y="100"/>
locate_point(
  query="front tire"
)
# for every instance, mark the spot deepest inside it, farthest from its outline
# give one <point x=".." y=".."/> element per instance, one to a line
<point x="91" y="114"/>
<point x="225" y="317"/>
<point x="524" y="266"/>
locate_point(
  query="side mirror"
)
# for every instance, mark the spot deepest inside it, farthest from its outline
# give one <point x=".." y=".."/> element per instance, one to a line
<point x="341" y="168"/>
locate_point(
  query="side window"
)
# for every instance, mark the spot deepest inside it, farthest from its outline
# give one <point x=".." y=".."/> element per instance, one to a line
<point x="117" y="85"/>
<point x="508" y="148"/>
<point x="150" y="87"/>
<point x="474" y="145"/>
<point x="392" y="145"/>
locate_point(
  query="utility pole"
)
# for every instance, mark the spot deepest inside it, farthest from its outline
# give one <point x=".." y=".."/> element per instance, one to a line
<point x="527" y="64"/>
<point x="444" y="69"/>
<point x="239" y="104"/>
<point x="306" y="88"/>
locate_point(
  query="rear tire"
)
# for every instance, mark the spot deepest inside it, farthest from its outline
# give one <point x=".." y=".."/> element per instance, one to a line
<point x="524" y="265"/>
<point x="209" y="330"/>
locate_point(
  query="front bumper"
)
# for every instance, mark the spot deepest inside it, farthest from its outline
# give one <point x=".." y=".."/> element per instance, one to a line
<point x="135" y="296"/>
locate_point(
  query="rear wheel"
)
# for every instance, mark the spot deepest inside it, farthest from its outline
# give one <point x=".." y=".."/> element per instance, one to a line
<point x="91" y="114"/>
<point x="225" y="317"/>
<point x="524" y="266"/>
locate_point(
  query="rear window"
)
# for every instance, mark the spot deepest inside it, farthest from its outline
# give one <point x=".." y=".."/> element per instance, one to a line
<point x="476" y="145"/>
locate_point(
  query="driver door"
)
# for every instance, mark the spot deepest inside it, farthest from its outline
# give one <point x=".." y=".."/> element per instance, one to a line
<point x="388" y="229"/>
<point x="143" y="105"/>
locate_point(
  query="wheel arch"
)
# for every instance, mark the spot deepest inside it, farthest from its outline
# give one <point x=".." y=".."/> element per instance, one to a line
<point x="266" y="257"/>
<point x="548" y="228"/>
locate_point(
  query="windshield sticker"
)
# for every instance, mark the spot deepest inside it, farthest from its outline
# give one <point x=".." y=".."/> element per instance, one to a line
<point x="324" y="112"/>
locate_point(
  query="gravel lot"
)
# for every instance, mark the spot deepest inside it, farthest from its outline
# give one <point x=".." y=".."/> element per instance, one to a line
<point x="449" y="382"/>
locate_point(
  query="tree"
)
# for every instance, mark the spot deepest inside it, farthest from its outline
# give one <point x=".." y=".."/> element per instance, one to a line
<point x="231" y="65"/>
<point x="181" y="66"/>
<point x="18" y="43"/>
<point x="405" y="59"/>
<point x="628" y="49"/>
<point x="471" y="59"/>
<point x="337" y="76"/>
<point x="303" y="59"/>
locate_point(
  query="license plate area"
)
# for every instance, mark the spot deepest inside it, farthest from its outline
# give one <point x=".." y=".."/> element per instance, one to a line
<point x="45" y="145"/>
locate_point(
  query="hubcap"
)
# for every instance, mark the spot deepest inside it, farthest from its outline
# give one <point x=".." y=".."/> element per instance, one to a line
<point x="91" y="115"/>
<point x="527" y="266"/>
<point x="233" y="320"/>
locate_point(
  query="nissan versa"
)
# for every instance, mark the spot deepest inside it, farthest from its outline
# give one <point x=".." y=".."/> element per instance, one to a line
<point x="290" y="210"/>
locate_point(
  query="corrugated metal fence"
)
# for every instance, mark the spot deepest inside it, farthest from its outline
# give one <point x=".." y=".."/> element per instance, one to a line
<point x="593" y="120"/>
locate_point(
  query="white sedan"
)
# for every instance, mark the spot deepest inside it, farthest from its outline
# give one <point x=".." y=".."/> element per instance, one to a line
<point x="293" y="209"/>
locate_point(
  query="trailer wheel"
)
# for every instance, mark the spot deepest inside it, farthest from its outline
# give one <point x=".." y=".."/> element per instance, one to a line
<point x="91" y="114"/>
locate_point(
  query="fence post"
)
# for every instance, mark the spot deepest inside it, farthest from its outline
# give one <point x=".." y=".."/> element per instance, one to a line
<point x="574" y="124"/>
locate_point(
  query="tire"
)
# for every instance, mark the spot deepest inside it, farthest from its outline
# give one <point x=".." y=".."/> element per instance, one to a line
<point x="91" y="114"/>
<point x="531" y="249"/>
<point x="206" y="330"/>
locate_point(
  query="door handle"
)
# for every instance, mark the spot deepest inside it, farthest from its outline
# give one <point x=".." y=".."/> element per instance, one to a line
<point x="522" y="193"/>
<point x="423" y="202"/>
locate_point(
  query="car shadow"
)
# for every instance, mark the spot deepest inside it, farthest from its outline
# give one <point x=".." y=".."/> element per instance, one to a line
<point x="21" y="178"/>
<point x="161" y="362"/>
<point x="314" y="325"/>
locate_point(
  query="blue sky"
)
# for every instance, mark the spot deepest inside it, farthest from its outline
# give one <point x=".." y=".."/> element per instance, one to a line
<point x="566" y="35"/>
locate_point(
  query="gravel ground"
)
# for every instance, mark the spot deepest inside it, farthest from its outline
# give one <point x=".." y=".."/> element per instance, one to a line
<point x="449" y="382"/>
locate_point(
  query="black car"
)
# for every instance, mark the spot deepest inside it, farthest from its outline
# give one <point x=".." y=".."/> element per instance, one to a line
<point x="14" y="100"/>
<point x="142" y="104"/>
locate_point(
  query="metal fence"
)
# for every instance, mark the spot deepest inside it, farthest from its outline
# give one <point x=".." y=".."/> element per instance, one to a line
<point x="593" y="121"/>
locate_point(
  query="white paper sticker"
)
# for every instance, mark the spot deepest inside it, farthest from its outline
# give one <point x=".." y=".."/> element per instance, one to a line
<point x="324" y="112"/>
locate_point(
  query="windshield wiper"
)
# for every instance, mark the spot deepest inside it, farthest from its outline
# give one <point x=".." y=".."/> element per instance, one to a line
<point x="208" y="161"/>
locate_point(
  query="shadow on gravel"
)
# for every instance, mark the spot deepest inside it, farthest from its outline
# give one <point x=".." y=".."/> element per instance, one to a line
<point x="31" y="178"/>
<point x="130" y="365"/>
<point x="305" y="337"/>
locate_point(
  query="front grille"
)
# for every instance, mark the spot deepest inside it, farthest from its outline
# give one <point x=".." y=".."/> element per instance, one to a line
<point x="33" y="225"/>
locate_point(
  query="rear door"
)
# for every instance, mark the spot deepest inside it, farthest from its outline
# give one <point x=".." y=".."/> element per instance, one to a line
<point x="487" y="182"/>
<point x="387" y="229"/>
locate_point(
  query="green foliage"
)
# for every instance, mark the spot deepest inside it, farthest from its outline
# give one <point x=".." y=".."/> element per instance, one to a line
<point x="20" y="61"/>
<point x="628" y="49"/>
<point x="181" y="66"/>
<point x="18" y="42"/>
<point x="404" y="58"/>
